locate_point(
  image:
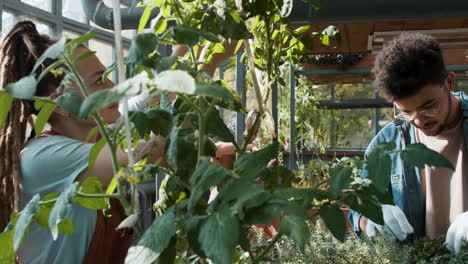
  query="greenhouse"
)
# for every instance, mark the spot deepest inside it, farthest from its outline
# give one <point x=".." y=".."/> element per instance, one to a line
<point x="233" y="131"/>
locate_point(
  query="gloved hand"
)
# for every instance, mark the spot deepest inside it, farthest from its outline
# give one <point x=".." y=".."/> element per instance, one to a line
<point x="458" y="231"/>
<point x="395" y="223"/>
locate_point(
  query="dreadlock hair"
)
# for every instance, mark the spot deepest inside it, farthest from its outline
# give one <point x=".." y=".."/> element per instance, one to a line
<point x="19" y="51"/>
<point x="408" y="63"/>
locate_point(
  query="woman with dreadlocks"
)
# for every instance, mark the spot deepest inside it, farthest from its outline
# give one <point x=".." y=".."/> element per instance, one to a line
<point x="50" y="162"/>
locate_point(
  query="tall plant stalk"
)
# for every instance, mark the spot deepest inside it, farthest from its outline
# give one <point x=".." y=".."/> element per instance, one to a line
<point x="134" y="206"/>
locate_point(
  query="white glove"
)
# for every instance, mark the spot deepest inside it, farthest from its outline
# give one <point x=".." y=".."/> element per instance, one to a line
<point x="395" y="223"/>
<point x="458" y="231"/>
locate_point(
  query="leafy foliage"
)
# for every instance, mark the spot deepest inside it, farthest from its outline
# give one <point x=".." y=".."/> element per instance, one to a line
<point x="322" y="247"/>
<point x="186" y="221"/>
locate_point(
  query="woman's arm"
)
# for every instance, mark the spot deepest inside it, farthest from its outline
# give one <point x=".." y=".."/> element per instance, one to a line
<point x="102" y="167"/>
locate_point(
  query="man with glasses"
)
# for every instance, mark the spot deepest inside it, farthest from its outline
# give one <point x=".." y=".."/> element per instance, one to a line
<point x="410" y="72"/>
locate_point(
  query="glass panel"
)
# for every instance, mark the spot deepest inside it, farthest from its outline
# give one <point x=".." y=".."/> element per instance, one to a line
<point x="70" y="34"/>
<point x="42" y="4"/>
<point x="103" y="51"/>
<point x="73" y="9"/>
<point x="354" y="91"/>
<point x="385" y="116"/>
<point x="43" y="28"/>
<point x="321" y="91"/>
<point x="128" y="33"/>
<point x="8" y="20"/>
<point x="353" y="128"/>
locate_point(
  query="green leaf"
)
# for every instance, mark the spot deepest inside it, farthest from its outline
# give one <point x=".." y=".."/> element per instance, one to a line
<point x="166" y="10"/>
<point x="101" y="99"/>
<point x="207" y="174"/>
<point x="156" y="120"/>
<point x="95" y="150"/>
<point x="177" y="81"/>
<point x="140" y="49"/>
<point x="91" y="134"/>
<point x="167" y="62"/>
<point x="274" y="209"/>
<point x="244" y="238"/>
<point x="238" y="46"/>
<point x="53" y="52"/>
<point x="170" y="252"/>
<point x="13" y="219"/>
<point x="334" y="219"/>
<point x="91" y="185"/>
<point x="25" y="88"/>
<point x="419" y="155"/>
<point x="181" y="151"/>
<point x="22" y="225"/>
<point x="300" y="194"/>
<point x="221" y="95"/>
<point x="301" y="30"/>
<point x="209" y="36"/>
<point x="7" y="254"/>
<point x="340" y="179"/>
<point x="144" y="18"/>
<point x="6" y="101"/>
<point x="366" y="203"/>
<point x="109" y="70"/>
<point x="45" y="113"/>
<point x="230" y="29"/>
<point x="62" y="209"/>
<point x="308" y="42"/>
<point x="297" y="229"/>
<point x="217" y="129"/>
<point x="379" y="165"/>
<point x="325" y="40"/>
<point x="245" y="195"/>
<point x="42" y="217"/>
<point x="185" y="35"/>
<point x="81" y="39"/>
<point x="219" y="236"/>
<point x="160" y="26"/>
<point x="249" y="164"/>
<point x="191" y="225"/>
<point x="70" y="101"/>
<point x="275" y="177"/>
<point x="154" y="241"/>
<point x="213" y="90"/>
<point x="112" y="186"/>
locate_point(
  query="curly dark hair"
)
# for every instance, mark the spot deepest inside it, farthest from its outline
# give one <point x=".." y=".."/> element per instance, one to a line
<point x="408" y="63"/>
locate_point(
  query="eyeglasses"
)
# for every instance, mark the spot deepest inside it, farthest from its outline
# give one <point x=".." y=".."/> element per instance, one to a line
<point x="426" y="112"/>
<point x="430" y="111"/>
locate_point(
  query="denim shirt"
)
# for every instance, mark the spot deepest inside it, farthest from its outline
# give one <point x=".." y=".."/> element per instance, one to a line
<point x="405" y="182"/>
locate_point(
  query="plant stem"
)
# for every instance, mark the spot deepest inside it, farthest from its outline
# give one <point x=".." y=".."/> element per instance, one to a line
<point x="48" y="201"/>
<point x="201" y="135"/>
<point x="258" y="93"/>
<point x="267" y="249"/>
<point x="201" y="123"/>
<point x="270" y="52"/>
<point x="97" y="195"/>
<point x="194" y="59"/>
<point x="177" y="9"/>
<point x="112" y="147"/>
